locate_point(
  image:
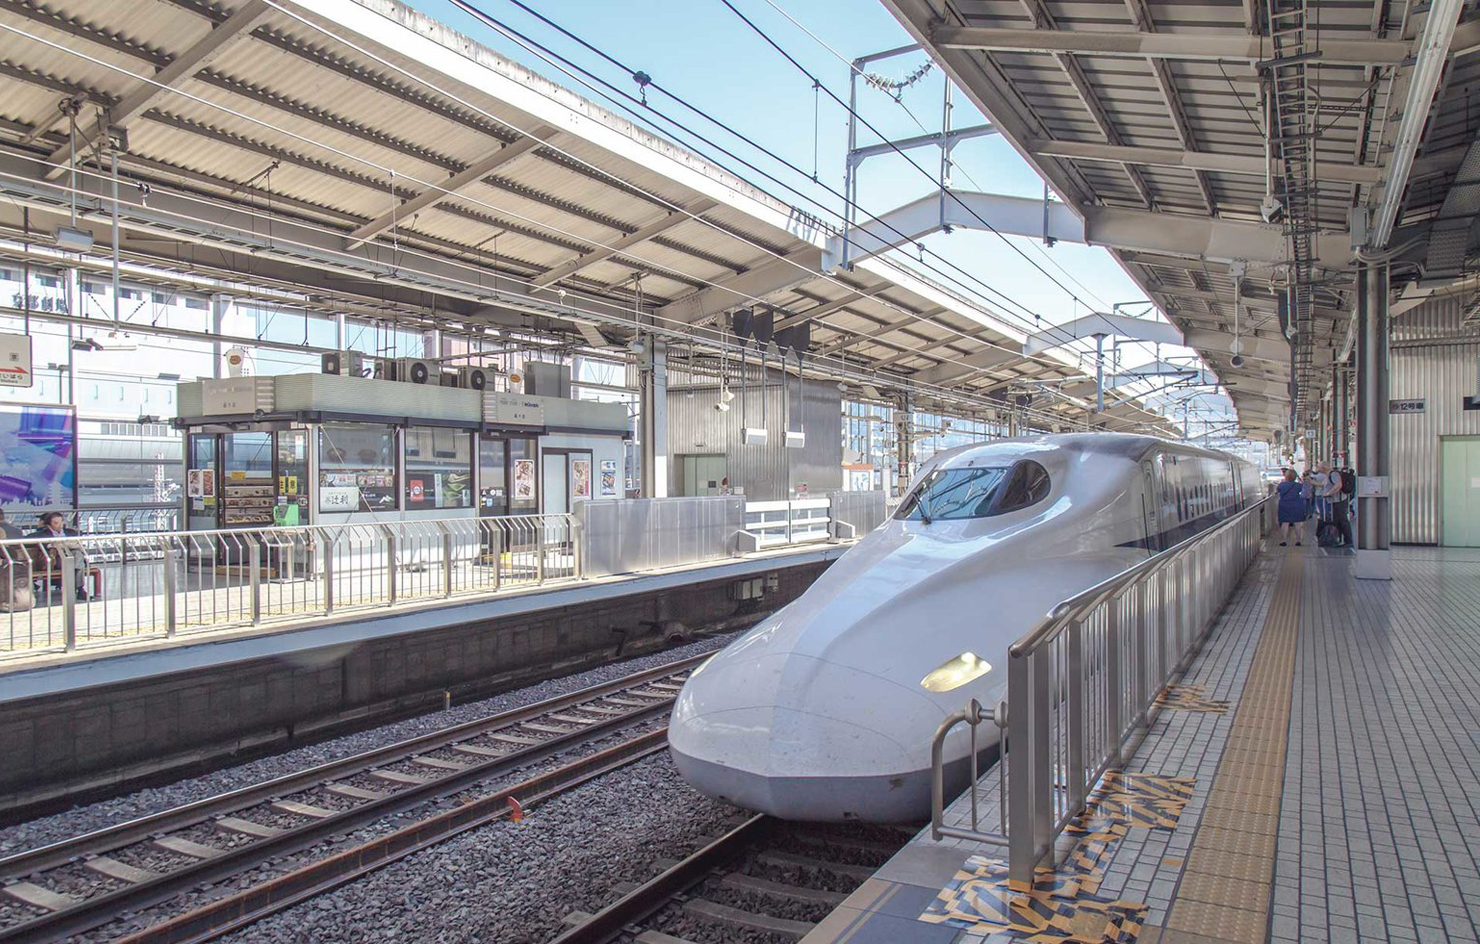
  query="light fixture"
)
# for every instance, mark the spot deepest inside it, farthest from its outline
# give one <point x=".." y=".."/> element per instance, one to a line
<point x="954" y="673"/>
<point x="73" y="239"/>
<point x="726" y="395"/>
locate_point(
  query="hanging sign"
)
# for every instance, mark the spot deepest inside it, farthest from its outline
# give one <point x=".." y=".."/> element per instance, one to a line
<point x="1396" y="407"/>
<point x="15" y="360"/>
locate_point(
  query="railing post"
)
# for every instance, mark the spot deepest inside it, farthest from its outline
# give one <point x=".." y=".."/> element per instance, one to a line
<point x="577" y="549"/>
<point x="1114" y="686"/>
<point x="497" y="544"/>
<point x="254" y="572"/>
<point x="446" y="560"/>
<point x="328" y="568"/>
<point x="539" y="549"/>
<point x="1074" y="776"/>
<point x="1022" y="805"/>
<point x="171" y="621"/>
<point x="391" y="570"/>
<point x="68" y="569"/>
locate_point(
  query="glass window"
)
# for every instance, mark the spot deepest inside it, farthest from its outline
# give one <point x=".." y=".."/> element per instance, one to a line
<point x="492" y="474"/>
<point x="439" y="468"/>
<point x="951" y="494"/>
<point x="1028" y="486"/>
<point x="357" y="467"/>
<point x="247" y="455"/>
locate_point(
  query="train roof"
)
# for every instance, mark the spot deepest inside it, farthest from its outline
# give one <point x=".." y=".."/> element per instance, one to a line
<point x="1120" y="445"/>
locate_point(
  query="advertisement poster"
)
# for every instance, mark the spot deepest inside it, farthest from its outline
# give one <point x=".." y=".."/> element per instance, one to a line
<point x="339" y="498"/>
<point x="524" y="480"/>
<point x="580" y="474"/>
<point x="416" y="490"/>
<point x="193" y="488"/>
<point x="38" y="455"/>
<point x="608" y="478"/>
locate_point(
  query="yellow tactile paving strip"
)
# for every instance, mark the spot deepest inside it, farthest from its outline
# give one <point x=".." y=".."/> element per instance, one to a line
<point x="1225" y="889"/>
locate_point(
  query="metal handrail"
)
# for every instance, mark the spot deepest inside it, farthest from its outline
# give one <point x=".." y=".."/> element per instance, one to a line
<point x="1146" y="624"/>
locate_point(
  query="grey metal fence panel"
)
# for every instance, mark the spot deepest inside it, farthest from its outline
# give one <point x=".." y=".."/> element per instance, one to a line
<point x="865" y="511"/>
<point x="624" y="536"/>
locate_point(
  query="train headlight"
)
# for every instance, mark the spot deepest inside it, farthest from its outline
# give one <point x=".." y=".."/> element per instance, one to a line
<point x="956" y="672"/>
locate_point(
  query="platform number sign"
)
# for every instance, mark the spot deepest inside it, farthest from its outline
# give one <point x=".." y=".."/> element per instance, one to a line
<point x="15" y="360"/>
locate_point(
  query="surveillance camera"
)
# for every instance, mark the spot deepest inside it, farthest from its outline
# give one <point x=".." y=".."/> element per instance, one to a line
<point x="1236" y="360"/>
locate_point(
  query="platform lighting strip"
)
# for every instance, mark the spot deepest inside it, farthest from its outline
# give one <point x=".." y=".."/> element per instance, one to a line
<point x="366" y="161"/>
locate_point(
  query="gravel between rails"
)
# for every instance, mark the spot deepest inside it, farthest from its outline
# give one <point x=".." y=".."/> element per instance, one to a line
<point x="22" y="836"/>
<point x="512" y="883"/>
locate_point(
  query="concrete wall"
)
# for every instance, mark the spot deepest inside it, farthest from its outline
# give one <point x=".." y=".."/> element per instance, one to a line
<point x="90" y="741"/>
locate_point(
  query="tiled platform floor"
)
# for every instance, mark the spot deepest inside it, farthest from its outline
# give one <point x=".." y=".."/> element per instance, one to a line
<point x="1377" y="834"/>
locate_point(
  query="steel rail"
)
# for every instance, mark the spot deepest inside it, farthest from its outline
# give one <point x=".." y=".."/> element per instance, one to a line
<point x="651" y="896"/>
<point x="246" y="907"/>
<point x="136" y="830"/>
<point x="92" y="912"/>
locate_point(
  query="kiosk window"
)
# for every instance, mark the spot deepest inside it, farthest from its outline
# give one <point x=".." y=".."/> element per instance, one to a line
<point x="357" y="468"/>
<point x="439" y="468"/>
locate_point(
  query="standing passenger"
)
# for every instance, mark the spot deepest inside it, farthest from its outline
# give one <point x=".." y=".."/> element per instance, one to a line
<point x="1291" y="508"/>
<point x="1340" y="499"/>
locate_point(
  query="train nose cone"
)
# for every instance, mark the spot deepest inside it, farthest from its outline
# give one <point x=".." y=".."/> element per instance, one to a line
<point x="804" y="739"/>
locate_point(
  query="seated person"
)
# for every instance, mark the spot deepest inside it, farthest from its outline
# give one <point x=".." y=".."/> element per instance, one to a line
<point x="46" y="559"/>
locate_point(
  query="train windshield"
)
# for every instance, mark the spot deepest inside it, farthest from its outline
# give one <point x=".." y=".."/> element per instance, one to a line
<point x="950" y="494"/>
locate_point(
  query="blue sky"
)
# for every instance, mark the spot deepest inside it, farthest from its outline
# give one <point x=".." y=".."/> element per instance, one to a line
<point x="704" y="54"/>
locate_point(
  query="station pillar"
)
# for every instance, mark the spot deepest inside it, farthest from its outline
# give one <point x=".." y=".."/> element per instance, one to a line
<point x="1373" y="524"/>
<point x="653" y="416"/>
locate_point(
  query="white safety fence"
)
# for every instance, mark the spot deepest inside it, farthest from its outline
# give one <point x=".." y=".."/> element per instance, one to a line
<point x="69" y="593"/>
<point x="1082" y="686"/>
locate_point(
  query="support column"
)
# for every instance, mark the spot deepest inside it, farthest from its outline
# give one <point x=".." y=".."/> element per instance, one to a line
<point x="904" y="447"/>
<point x="1373" y="561"/>
<point x="652" y="379"/>
<point x="220" y="308"/>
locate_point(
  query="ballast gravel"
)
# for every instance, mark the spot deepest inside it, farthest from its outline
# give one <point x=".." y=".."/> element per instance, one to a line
<point x="38" y="832"/>
<point x="510" y="883"/>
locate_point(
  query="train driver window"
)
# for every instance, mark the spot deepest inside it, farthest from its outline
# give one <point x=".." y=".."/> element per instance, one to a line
<point x="1028" y="486"/>
<point x="953" y="494"/>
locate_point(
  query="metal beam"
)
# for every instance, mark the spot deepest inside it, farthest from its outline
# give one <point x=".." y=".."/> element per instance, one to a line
<point x="1207" y="46"/>
<point x="468" y="175"/>
<point x="612" y="248"/>
<point x="777" y="275"/>
<point x="1136" y="329"/>
<point x="1197" y="237"/>
<point x="874" y="334"/>
<point x="144" y="95"/>
<point x="1243" y="164"/>
<point x="921" y="140"/>
<point x="985" y="360"/>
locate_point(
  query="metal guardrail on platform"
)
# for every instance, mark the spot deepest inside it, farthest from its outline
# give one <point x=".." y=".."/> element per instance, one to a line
<point x="68" y="593"/>
<point x="1083" y="683"/>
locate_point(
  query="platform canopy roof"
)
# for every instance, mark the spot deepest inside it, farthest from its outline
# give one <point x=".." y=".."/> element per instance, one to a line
<point x="366" y="156"/>
<point x="1359" y="119"/>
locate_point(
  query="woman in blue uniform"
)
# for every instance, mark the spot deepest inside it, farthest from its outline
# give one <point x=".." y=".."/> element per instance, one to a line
<point x="1292" y="507"/>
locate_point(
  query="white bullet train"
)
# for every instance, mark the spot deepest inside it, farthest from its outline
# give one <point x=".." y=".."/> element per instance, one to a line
<point x="825" y="710"/>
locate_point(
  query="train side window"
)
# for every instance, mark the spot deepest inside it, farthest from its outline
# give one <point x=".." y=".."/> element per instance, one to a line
<point x="1029" y="485"/>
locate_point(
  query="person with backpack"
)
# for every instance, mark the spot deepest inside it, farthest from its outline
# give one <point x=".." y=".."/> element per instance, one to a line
<point x="1339" y="495"/>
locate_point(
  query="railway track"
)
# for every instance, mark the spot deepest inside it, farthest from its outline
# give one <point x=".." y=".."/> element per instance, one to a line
<point x="764" y="881"/>
<point x="87" y="881"/>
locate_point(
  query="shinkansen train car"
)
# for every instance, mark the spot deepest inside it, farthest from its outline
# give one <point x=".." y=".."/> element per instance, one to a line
<point x="825" y="710"/>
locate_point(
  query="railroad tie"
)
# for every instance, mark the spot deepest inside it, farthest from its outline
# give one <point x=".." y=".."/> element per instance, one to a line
<point x="235" y="824"/>
<point x="186" y="848"/>
<point x="122" y="871"/>
<point x="301" y="809"/>
<point x="766" y="924"/>
<point x="38" y="897"/>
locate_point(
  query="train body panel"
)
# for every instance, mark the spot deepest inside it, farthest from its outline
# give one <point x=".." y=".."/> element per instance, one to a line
<point x="823" y="711"/>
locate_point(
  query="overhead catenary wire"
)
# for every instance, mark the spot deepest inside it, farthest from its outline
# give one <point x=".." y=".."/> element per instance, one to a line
<point x="356" y="158"/>
<point x="545" y="52"/>
<point x="565" y="65"/>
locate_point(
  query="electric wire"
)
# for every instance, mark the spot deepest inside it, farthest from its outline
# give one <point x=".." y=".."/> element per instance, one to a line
<point x="388" y="171"/>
